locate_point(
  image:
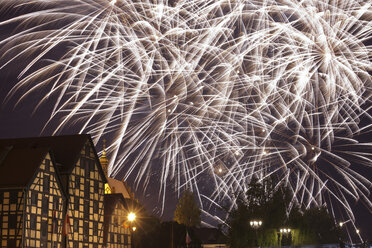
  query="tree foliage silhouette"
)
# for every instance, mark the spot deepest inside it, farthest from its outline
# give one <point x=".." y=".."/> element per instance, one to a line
<point x="187" y="210"/>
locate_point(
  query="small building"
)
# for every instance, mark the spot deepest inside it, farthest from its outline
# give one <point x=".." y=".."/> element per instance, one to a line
<point x="117" y="228"/>
<point x="119" y="202"/>
<point x="52" y="183"/>
<point x="211" y="237"/>
<point x="31" y="199"/>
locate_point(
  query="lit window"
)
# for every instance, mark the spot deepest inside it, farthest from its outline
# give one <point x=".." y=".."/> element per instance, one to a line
<point x="107" y="189"/>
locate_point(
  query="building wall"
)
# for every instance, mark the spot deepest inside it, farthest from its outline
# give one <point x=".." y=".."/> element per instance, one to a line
<point x="11" y="211"/>
<point x="44" y="206"/>
<point x="118" y="235"/>
<point x="86" y="197"/>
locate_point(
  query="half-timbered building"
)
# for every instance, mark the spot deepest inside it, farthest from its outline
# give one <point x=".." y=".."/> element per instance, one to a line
<point x="52" y="183"/>
<point x="117" y="228"/>
<point x="31" y="200"/>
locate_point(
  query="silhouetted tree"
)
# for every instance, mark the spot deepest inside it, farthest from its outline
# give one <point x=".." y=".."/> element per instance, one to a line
<point x="187" y="210"/>
<point x="268" y="202"/>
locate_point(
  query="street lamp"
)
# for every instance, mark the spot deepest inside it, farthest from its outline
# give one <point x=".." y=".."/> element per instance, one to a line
<point x="285" y="236"/>
<point x="255" y="223"/>
<point x="131" y="216"/>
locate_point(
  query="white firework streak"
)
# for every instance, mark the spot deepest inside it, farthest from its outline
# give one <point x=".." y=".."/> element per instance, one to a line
<point x="209" y="94"/>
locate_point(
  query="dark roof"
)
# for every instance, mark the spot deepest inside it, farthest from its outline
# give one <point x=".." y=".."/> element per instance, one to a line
<point x="112" y="199"/>
<point x="66" y="148"/>
<point x="19" y="166"/>
<point x="210" y="235"/>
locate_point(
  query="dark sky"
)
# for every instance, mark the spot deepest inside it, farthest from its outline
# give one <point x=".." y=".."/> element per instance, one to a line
<point x="22" y="121"/>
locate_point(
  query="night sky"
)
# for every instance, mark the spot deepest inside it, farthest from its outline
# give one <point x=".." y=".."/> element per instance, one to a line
<point x="23" y="120"/>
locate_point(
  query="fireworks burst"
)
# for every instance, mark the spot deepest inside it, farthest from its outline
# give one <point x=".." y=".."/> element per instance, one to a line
<point x="208" y="94"/>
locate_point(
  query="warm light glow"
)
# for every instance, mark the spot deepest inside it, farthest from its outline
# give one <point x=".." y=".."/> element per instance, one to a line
<point x="220" y="170"/>
<point x="341" y="224"/>
<point x="107" y="189"/>
<point x="134" y="228"/>
<point x="131" y="216"/>
<point x="357" y="231"/>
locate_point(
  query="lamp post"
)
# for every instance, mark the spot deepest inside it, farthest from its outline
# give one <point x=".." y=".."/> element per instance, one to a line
<point x="287" y="234"/>
<point x="131" y="218"/>
<point x="255" y="224"/>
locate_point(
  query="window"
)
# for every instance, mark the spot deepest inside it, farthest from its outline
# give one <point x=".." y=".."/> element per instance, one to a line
<point x="95" y="207"/>
<point x="119" y="239"/>
<point x="33" y="198"/>
<point x="33" y="221"/>
<point x="12" y="221"/>
<point x="1" y="197"/>
<point x="46" y="184"/>
<point x="13" y="197"/>
<point x="45" y="206"/>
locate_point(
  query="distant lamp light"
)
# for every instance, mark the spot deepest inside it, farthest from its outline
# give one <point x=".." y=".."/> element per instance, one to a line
<point x="255" y="223"/>
<point x="357" y="231"/>
<point x="341" y="224"/>
<point x="134" y="228"/>
<point x="237" y="153"/>
<point x="220" y="170"/>
<point x="263" y="130"/>
<point x="285" y="230"/>
<point x="131" y="216"/>
<point x="113" y="2"/>
<point x="312" y="148"/>
<point x="169" y="110"/>
<point x="264" y="152"/>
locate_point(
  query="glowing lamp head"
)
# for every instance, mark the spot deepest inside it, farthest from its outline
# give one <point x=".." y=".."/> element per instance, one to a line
<point x="134" y="228"/>
<point x="131" y="216"/>
<point x="220" y="170"/>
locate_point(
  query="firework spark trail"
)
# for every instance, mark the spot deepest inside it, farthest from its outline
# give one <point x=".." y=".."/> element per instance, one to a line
<point x="215" y="92"/>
